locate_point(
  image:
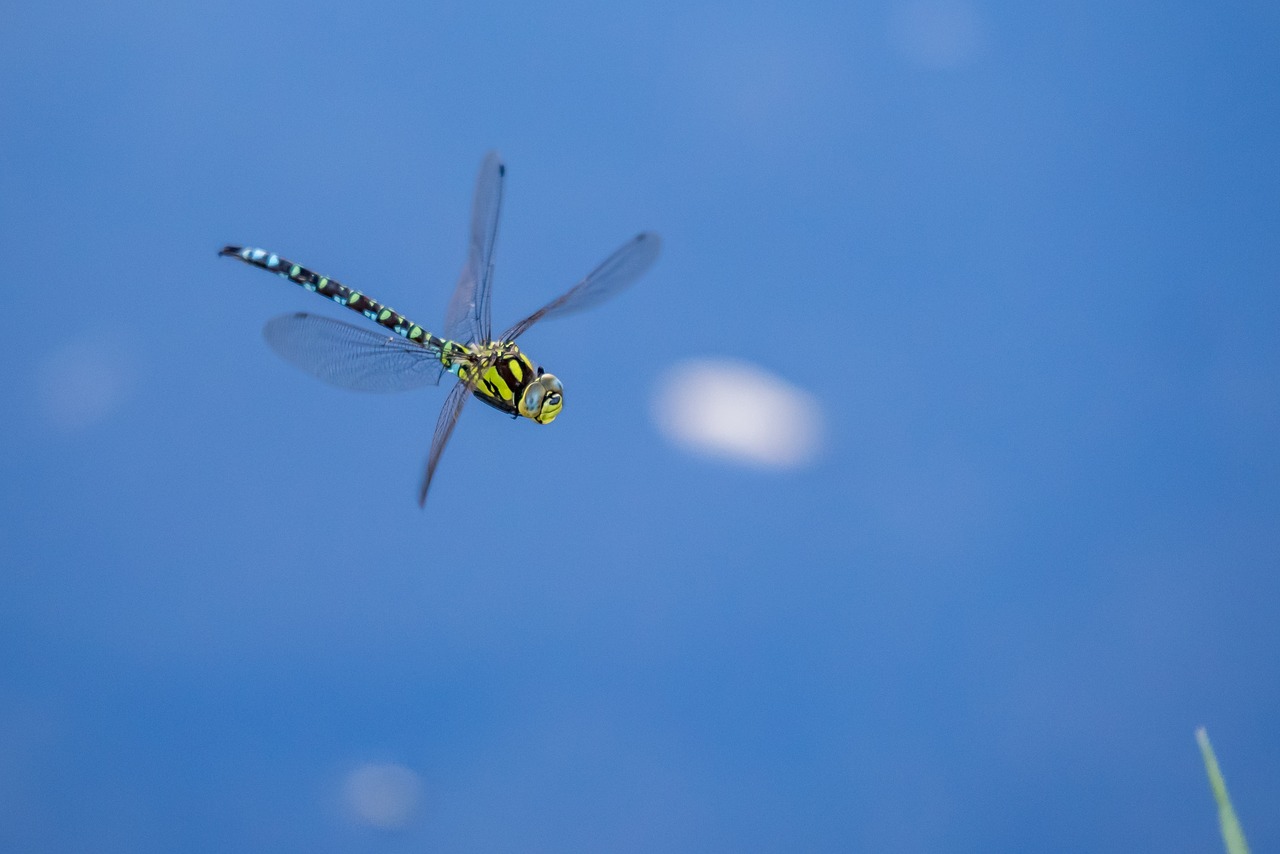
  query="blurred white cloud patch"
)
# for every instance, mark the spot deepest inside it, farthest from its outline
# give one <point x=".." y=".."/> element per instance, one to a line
<point x="936" y="33"/>
<point x="83" y="384"/>
<point x="737" y="411"/>
<point x="382" y="795"/>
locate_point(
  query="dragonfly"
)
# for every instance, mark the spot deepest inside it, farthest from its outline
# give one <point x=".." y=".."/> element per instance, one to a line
<point x="492" y="369"/>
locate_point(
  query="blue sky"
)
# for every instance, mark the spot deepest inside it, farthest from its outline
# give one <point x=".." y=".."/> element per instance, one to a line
<point x="1022" y="256"/>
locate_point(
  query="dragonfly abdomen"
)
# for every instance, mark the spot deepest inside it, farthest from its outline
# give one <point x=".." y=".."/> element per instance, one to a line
<point x="336" y="291"/>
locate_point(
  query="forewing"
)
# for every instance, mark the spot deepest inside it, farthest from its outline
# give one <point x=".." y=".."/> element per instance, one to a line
<point x="617" y="271"/>
<point x="468" y="317"/>
<point x="444" y="429"/>
<point x="350" y="357"/>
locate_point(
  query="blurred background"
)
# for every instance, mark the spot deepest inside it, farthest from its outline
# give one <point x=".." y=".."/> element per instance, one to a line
<point x="925" y="496"/>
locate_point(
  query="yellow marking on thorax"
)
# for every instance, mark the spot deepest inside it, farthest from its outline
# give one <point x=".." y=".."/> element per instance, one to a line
<point x="495" y="386"/>
<point x="493" y="362"/>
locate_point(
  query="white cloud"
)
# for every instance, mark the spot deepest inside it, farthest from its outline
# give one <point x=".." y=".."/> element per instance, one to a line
<point x="737" y="411"/>
<point x="82" y="384"/>
<point x="936" y="33"/>
<point x="383" y="795"/>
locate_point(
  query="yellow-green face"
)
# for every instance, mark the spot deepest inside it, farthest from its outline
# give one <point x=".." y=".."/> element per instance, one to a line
<point x="543" y="399"/>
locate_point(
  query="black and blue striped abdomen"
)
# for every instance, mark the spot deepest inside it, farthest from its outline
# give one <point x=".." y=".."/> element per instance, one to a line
<point x="338" y="292"/>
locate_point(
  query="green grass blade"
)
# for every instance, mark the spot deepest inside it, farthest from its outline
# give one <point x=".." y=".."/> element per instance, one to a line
<point x="1232" y="835"/>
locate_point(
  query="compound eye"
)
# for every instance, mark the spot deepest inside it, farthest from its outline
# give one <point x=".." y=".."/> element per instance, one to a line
<point x="533" y="396"/>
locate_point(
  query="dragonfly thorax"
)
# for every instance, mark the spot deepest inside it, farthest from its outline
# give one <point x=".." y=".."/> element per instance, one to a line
<point x="507" y="380"/>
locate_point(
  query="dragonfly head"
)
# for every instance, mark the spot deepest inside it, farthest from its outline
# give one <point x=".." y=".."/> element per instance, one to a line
<point x="543" y="398"/>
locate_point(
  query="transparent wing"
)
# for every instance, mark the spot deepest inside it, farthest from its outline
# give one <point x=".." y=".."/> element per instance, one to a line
<point x="350" y="357"/>
<point x="444" y="429"/>
<point x="617" y="271"/>
<point x="468" y="317"/>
